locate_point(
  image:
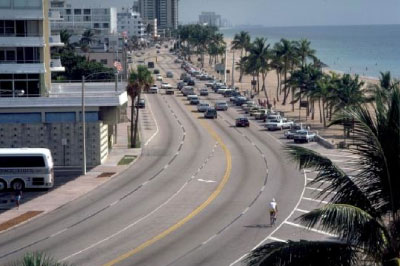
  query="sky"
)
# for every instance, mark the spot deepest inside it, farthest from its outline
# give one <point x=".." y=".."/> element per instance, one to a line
<point x="285" y="12"/>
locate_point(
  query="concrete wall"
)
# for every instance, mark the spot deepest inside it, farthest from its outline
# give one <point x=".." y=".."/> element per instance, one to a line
<point x="54" y="135"/>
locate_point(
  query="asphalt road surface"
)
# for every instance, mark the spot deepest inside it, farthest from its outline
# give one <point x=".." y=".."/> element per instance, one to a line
<point x="198" y="196"/>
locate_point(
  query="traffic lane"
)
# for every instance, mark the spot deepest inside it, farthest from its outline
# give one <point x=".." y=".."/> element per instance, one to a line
<point x="246" y="181"/>
<point x="89" y="205"/>
<point x="165" y="186"/>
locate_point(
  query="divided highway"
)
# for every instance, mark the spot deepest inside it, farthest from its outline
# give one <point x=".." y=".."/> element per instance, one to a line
<point x="197" y="196"/>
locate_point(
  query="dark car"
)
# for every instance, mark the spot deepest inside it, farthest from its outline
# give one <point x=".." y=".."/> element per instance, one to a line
<point x="156" y="71"/>
<point x="150" y="65"/>
<point x="203" y="92"/>
<point x="191" y="82"/>
<point x="242" y="122"/>
<point x="210" y="113"/>
<point x="141" y="104"/>
<point x="240" y="101"/>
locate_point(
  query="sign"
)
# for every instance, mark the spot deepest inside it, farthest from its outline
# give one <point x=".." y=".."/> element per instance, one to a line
<point x="118" y="66"/>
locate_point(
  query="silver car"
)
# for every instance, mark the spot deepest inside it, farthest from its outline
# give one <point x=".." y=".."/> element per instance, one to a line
<point x="202" y="107"/>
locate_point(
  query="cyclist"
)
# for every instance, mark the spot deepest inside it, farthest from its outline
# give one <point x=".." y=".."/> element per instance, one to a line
<point x="273" y="209"/>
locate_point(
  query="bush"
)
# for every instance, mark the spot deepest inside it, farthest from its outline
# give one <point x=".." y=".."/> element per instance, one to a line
<point x="37" y="259"/>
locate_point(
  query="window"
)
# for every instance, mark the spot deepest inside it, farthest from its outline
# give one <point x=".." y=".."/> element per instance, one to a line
<point x="104" y="61"/>
<point x="86" y="18"/>
<point x="77" y="11"/>
<point x="21" y="161"/>
<point x="68" y="11"/>
<point x="105" y="25"/>
<point x="96" y="25"/>
<point x="28" y="4"/>
<point x="86" y="11"/>
<point x="5" y="3"/>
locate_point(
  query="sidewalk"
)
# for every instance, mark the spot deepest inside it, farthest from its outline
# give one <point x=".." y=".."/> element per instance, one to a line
<point x="72" y="190"/>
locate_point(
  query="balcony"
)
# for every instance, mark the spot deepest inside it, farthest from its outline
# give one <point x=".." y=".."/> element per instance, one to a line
<point x="21" y="41"/>
<point x="55" y="16"/>
<point x="21" y="14"/>
<point x="55" y="41"/>
<point x="14" y="68"/>
<point x="55" y="65"/>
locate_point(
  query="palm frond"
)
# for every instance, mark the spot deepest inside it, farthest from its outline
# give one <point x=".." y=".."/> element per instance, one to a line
<point x="350" y="224"/>
<point x="347" y="190"/>
<point x="310" y="253"/>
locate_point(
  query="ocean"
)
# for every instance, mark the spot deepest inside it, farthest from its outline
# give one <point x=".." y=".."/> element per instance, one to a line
<point x="363" y="50"/>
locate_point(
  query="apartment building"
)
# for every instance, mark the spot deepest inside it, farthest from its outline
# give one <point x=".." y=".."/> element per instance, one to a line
<point x="25" y="41"/>
<point x="165" y="11"/>
<point x="77" y="19"/>
<point x="210" y="18"/>
<point x="130" y="23"/>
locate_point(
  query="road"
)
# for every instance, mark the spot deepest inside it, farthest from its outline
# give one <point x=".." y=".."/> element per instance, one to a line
<point x="197" y="196"/>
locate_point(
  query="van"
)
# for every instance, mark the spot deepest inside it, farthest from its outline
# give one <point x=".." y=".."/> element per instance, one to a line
<point x="150" y="64"/>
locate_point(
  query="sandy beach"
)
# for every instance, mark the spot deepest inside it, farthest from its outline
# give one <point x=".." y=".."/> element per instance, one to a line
<point x="333" y="134"/>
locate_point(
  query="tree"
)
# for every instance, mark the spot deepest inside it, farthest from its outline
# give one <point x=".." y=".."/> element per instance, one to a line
<point x="304" y="51"/>
<point x="37" y="259"/>
<point x="386" y="85"/>
<point x="364" y="212"/>
<point x="86" y="41"/>
<point x="241" y="42"/>
<point x="138" y="80"/>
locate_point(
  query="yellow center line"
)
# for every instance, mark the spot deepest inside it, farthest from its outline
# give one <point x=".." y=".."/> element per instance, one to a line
<point x="190" y="216"/>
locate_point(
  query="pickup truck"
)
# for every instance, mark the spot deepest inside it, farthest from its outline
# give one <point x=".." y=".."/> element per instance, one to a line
<point x="278" y="124"/>
<point x="261" y="114"/>
<point x="304" y="136"/>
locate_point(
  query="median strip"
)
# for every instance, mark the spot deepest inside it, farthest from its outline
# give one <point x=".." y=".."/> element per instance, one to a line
<point x="19" y="219"/>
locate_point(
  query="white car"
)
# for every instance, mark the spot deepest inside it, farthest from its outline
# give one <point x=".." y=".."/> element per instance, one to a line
<point x="165" y="85"/>
<point x="221" y="105"/>
<point x="159" y="77"/>
<point x="202" y="107"/>
<point x="278" y="124"/>
<point x="153" y="89"/>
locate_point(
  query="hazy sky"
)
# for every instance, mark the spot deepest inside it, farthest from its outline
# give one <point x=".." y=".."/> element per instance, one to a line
<point x="286" y="12"/>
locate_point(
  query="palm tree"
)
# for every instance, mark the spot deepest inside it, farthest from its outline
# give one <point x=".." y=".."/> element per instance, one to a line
<point x="385" y="86"/>
<point x="241" y="42"/>
<point x="364" y="212"/>
<point x="37" y="259"/>
<point x="87" y="39"/>
<point x="66" y="38"/>
<point x="138" y="80"/>
<point x="304" y="51"/>
<point x="277" y="65"/>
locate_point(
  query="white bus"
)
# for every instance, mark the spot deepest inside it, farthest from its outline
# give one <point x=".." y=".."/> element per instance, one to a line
<point x="26" y="168"/>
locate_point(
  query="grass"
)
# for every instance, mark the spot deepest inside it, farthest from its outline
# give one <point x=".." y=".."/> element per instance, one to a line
<point x="127" y="159"/>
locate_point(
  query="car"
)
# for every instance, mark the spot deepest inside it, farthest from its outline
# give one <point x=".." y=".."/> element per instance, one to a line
<point x="221" y="105"/>
<point x="156" y="71"/>
<point x="239" y="101"/>
<point x="191" y="82"/>
<point x="159" y="77"/>
<point x="278" y="124"/>
<point x="194" y="100"/>
<point x="178" y="61"/>
<point x="187" y="90"/>
<point x="304" y="136"/>
<point x="222" y="90"/>
<point x="203" y="92"/>
<point x="242" y="122"/>
<point x="180" y="85"/>
<point x="210" y="113"/>
<point x="141" y="104"/>
<point x="170" y="74"/>
<point x="228" y="93"/>
<point x="170" y="91"/>
<point x="183" y="76"/>
<point x="261" y="114"/>
<point x="202" y="107"/>
<point x="165" y="85"/>
<point x="253" y="110"/>
<point x="150" y="65"/>
<point x="153" y="89"/>
<point x="190" y="96"/>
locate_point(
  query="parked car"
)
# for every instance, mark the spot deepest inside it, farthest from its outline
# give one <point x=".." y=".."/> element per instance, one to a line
<point x="304" y="136"/>
<point x="203" y="92"/>
<point x="202" y="107"/>
<point x="260" y="114"/>
<point x="221" y="105"/>
<point x="242" y="122"/>
<point x="210" y="113"/>
<point x="151" y="65"/>
<point x="170" y="74"/>
<point x="289" y="134"/>
<point x="159" y="77"/>
<point x="153" y="89"/>
<point x="156" y="71"/>
<point x="191" y="82"/>
<point x="254" y="110"/>
<point x="240" y="101"/>
<point x="278" y="124"/>
<point x="141" y="104"/>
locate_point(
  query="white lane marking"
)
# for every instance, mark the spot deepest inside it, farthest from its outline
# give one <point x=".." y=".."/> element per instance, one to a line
<point x="155" y="121"/>
<point x="59" y="232"/>
<point x="279" y="226"/>
<point x="319" y="189"/>
<point x="277" y="239"/>
<point x="310" y="229"/>
<point x="115" y="202"/>
<point x="319" y="201"/>
<point x="208" y="240"/>
<point x="245" y="210"/>
<point x="301" y="210"/>
<point x="206" y="181"/>
<point x="166" y="166"/>
<point x="126" y="227"/>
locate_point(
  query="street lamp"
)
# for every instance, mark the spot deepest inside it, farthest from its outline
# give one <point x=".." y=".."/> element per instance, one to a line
<point x="84" y="118"/>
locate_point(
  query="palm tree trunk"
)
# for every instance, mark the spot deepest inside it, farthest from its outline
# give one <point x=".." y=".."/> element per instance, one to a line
<point x="323" y="112"/>
<point x="278" y="85"/>
<point x="258" y="82"/>
<point x="293" y="90"/>
<point x="133" y="142"/>
<point x="285" y="94"/>
<point x="264" y="88"/>
<point x="320" y="110"/>
<point x="312" y="110"/>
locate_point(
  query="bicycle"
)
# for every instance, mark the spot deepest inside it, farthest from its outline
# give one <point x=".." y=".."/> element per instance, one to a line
<point x="272" y="217"/>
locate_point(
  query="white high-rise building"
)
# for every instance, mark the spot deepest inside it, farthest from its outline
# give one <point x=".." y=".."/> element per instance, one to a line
<point x="210" y="18"/>
<point x="25" y="41"/>
<point x="131" y="23"/>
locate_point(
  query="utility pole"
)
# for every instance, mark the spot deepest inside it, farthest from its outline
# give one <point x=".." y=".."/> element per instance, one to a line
<point x="83" y="128"/>
<point x="226" y="64"/>
<point x="233" y="71"/>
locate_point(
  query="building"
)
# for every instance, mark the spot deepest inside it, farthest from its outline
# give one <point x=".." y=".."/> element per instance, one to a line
<point x="130" y="23"/>
<point x="77" y="19"/>
<point x="165" y="11"/>
<point x="210" y="18"/>
<point x="25" y="41"/>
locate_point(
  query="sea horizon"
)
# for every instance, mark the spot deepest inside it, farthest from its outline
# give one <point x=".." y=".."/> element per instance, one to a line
<point x="365" y="50"/>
